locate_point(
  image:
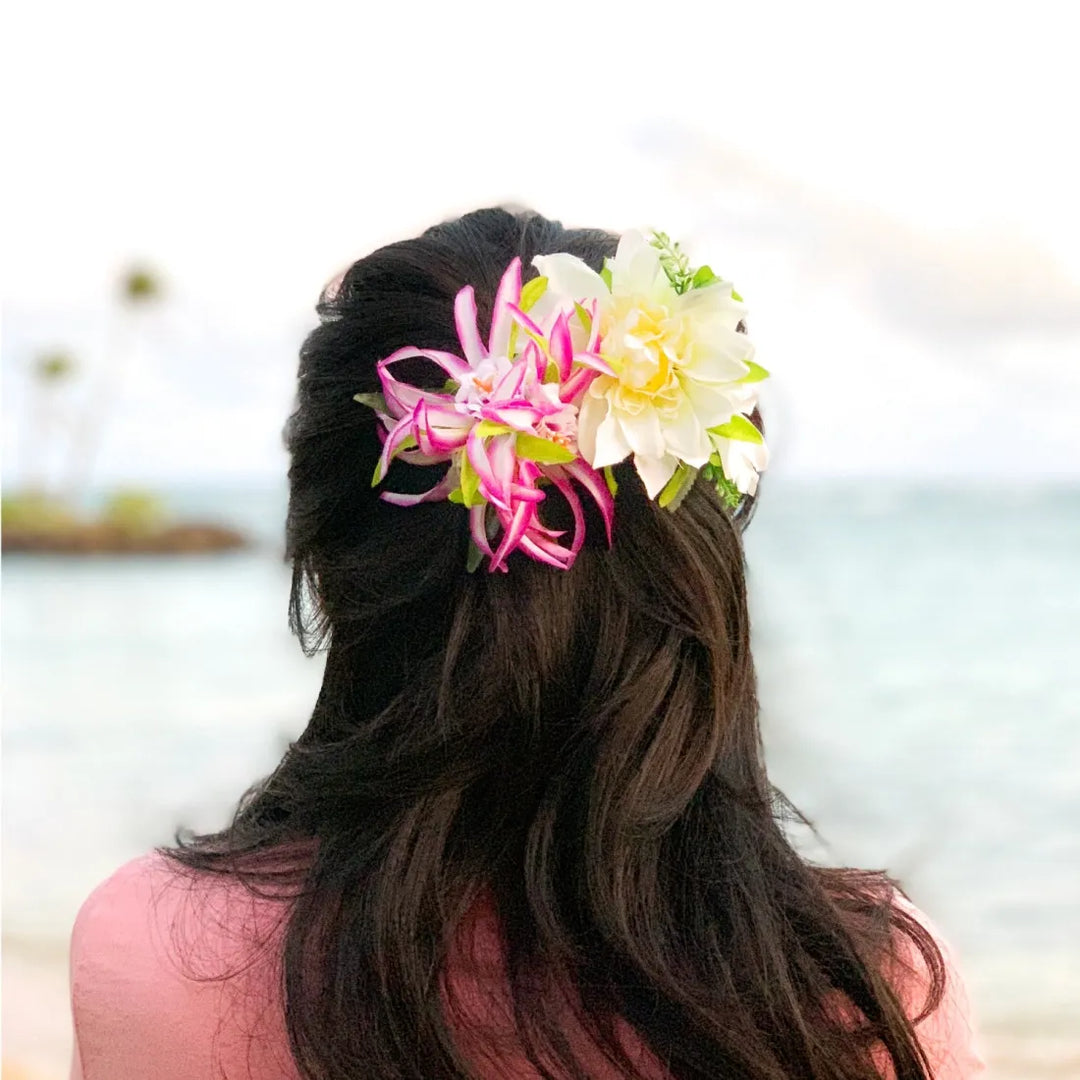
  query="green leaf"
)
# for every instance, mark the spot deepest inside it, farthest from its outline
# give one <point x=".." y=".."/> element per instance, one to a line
<point x="702" y="277"/>
<point x="605" y="273"/>
<point x="551" y="372"/>
<point x="377" y="477"/>
<point x="475" y="557"/>
<point x="612" y="483"/>
<point x="675" y="490"/>
<point x="531" y="291"/>
<point x="757" y="373"/>
<point x="729" y="494"/>
<point x="456" y="496"/>
<point x="736" y="296"/>
<point x="470" y="483"/>
<point x="487" y="428"/>
<point x="738" y="428"/>
<point x="542" y="451"/>
<point x="585" y="317"/>
<point x="372" y="401"/>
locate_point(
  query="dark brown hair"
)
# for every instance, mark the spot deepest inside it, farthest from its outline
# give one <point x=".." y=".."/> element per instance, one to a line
<point x="582" y="744"/>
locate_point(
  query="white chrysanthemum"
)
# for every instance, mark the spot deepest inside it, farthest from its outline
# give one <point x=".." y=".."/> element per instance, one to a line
<point x="677" y="360"/>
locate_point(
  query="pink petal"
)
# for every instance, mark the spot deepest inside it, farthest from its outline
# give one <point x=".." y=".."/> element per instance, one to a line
<point x="595" y="361"/>
<point x="557" y="556"/>
<point x="478" y="527"/>
<point x="519" y="316"/>
<point x="562" y="348"/>
<point x="453" y="365"/>
<point x="403" y="397"/>
<point x="503" y="462"/>
<point x="513" y="532"/>
<point x="501" y="320"/>
<point x="595" y="485"/>
<point x="465" y="320"/>
<point x="550" y="546"/>
<point x="479" y="460"/>
<point x="519" y="415"/>
<point x="438" y="440"/>
<point x="402" y="430"/>
<point x="571" y="497"/>
<point x="525" y="488"/>
<point x="577" y="384"/>
<point x="511" y="384"/>
<point x="415" y="456"/>
<point x="447" y="415"/>
<point x="439" y="491"/>
<point x="535" y="359"/>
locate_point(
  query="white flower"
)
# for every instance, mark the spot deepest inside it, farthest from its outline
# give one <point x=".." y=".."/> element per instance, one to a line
<point x="678" y="361"/>
<point x="743" y="462"/>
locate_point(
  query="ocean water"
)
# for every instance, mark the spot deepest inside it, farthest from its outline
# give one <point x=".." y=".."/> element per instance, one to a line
<point x="919" y="664"/>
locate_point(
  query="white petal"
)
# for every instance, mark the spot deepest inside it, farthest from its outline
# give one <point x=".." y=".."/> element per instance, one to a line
<point x="568" y="278"/>
<point x="685" y="437"/>
<point x="591" y="414"/>
<point x="719" y="359"/>
<point x="712" y="404"/>
<point x="544" y="311"/>
<point x="611" y="444"/>
<point x="655" y="472"/>
<point x="742" y="461"/>
<point x="642" y="431"/>
<point x="744" y="396"/>
<point x="636" y="265"/>
<point x="715" y="303"/>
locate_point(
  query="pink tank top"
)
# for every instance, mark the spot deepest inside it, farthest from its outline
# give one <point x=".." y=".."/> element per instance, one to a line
<point x="146" y="946"/>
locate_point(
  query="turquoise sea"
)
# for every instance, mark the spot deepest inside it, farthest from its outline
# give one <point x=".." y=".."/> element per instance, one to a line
<point x="919" y="665"/>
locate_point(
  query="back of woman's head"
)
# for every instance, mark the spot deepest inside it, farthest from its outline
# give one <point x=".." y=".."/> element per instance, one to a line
<point x="579" y="745"/>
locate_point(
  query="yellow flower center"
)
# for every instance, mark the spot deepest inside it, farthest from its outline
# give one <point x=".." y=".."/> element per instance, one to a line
<point x="643" y="343"/>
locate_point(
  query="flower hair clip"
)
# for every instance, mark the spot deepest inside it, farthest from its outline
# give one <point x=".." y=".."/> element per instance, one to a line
<point x="579" y="372"/>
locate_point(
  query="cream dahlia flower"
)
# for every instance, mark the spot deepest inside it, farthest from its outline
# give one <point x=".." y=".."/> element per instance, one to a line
<point x="678" y="366"/>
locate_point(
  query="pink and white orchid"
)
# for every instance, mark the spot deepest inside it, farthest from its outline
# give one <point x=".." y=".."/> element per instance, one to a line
<point x="506" y="433"/>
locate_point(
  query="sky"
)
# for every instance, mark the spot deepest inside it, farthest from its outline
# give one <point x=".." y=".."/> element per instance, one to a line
<point x="891" y="189"/>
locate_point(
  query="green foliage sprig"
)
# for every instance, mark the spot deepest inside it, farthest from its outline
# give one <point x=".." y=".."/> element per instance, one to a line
<point x="729" y="494"/>
<point x="680" y="273"/>
<point x="675" y="261"/>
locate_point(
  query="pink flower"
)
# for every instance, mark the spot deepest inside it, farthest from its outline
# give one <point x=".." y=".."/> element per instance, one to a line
<point x="506" y="431"/>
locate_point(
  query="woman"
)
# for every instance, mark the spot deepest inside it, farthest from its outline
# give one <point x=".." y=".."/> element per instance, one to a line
<point x="528" y="831"/>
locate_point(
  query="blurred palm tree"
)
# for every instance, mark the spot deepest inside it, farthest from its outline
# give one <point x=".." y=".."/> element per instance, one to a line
<point x="140" y="285"/>
<point x="53" y="367"/>
<point x="139" y="290"/>
<point x="50" y="371"/>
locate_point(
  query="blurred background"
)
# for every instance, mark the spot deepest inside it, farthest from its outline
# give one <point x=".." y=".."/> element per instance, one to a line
<point x="891" y="187"/>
